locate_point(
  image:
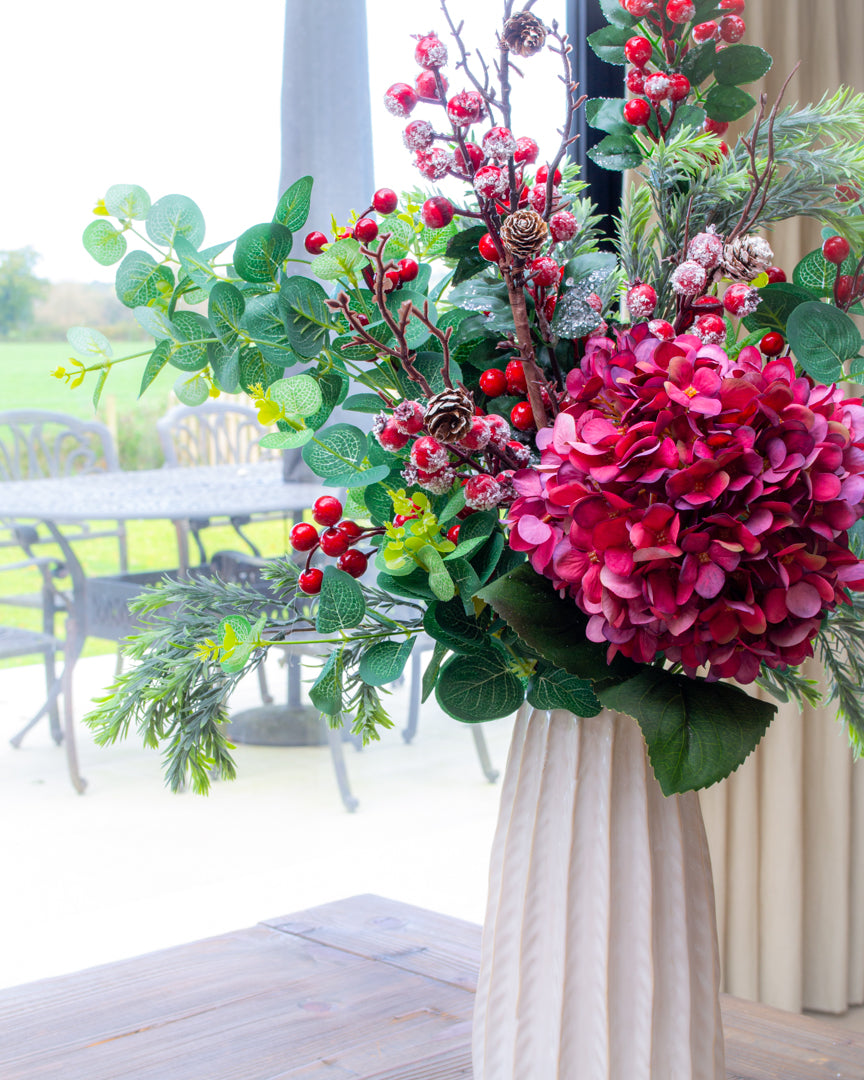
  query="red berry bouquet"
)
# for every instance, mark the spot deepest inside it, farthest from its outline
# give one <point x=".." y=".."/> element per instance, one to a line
<point x="597" y="470"/>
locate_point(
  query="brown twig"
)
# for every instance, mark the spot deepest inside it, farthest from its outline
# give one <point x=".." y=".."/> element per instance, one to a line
<point x="443" y="336"/>
<point x="572" y="104"/>
<point x="487" y="93"/>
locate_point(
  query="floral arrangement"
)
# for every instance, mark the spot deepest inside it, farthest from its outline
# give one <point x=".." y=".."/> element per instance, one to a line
<point x="602" y="471"/>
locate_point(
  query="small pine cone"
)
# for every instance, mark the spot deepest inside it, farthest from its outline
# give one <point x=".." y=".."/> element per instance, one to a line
<point x="524" y="233"/>
<point x="746" y="258"/>
<point x="449" y="415"/>
<point x="523" y="34"/>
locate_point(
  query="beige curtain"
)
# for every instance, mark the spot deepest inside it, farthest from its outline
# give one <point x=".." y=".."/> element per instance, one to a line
<point x="787" y="830"/>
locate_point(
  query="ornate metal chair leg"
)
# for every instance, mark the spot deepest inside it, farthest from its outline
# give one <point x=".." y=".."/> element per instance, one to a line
<point x="73" y="651"/>
<point x="334" y="738"/>
<point x="50" y="701"/>
<point x="483" y="753"/>
<point x="52" y="683"/>
<point x="410" y="729"/>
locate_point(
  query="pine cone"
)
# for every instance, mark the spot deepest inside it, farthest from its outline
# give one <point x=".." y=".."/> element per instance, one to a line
<point x="524" y="233"/>
<point x="449" y="415"/>
<point x="523" y="34"/>
<point x="746" y="258"/>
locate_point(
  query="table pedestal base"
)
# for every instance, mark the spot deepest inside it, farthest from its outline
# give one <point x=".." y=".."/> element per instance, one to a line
<point x="278" y="725"/>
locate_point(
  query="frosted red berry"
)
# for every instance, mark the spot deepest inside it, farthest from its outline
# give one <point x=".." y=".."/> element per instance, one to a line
<point x="715" y="127"/>
<point x="537" y="197"/>
<point x="486" y="247"/>
<point x="563" y="226"/>
<point x="453" y="534"/>
<point x="638" y="51"/>
<point x="429" y="455"/>
<point x="732" y="29"/>
<point x="478" y="435"/>
<point x="772" y="344"/>
<point x="303" y="536"/>
<point x="353" y="562"/>
<point x="522" y="416"/>
<point x="466" y="108"/>
<point x="365" y="230"/>
<point x="437" y="212"/>
<point x="490" y="182"/>
<point x="679" y="87"/>
<point x="385" y="200"/>
<point x="310" y="581"/>
<point x="327" y="510"/>
<point x="408" y="269"/>
<point x="515" y="375"/>
<point x="711" y="328"/>
<point x="493" y="382"/>
<point x="418" y="135"/>
<point x="543" y="271"/>
<point x="476" y="157"/>
<point x="637" y="112"/>
<point x="409" y="417"/>
<point x="680" y="11"/>
<point x="391" y="438"/>
<point x="638" y="8"/>
<point x="483" y="492"/>
<point x="498" y="143"/>
<point x="400" y="99"/>
<point x="426" y="86"/>
<point x="734" y="7"/>
<point x="527" y="151"/>
<point x="662" y="329"/>
<point x="705" y="31"/>
<point x="431" y="52"/>
<point x="641" y="302"/>
<point x="836" y="249"/>
<point x="543" y="175"/>
<point x="314" y="243"/>
<point x="657" y="87"/>
<point x="775" y="275"/>
<point x="434" y="164"/>
<point x="741" y="300"/>
<point x="350" y="529"/>
<point x="636" y="81"/>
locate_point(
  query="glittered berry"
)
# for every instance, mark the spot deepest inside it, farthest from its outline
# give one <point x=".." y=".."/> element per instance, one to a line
<point x="543" y="175"/>
<point x="835" y="250"/>
<point x="527" y="151"/>
<point x="408" y="417"/>
<point x="706" y="248"/>
<point x="365" y="230"/>
<point x="522" y="416"/>
<point x="476" y="157"/>
<point x="711" y="328"/>
<point x="391" y="438"/>
<point x="303" y="536"/>
<point x="538" y="197"/>
<point x="418" y="135"/>
<point x="661" y="329"/>
<point x="679" y="87"/>
<point x="498" y="143"/>
<point x="333" y="542"/>
<point x="637" y="112"/>
<point x="732" y="29"/>
<point x="493" y="382"/>
<point x="314" y="243"/>
<point x="350" y="529"/>
<point x="310" y="581"/>
<point x="466" y="108"/>
<point x="705" y="31"/>
<point x="515" y="375"/>
<point x="638" y="51"/>
<point x="563" y="226"/>
<point x="689" y="279"/>
<point x="483" y="492"/>
<point x="638" y="8"/>
<point x="543" y="271"/>
<point x="385" y="200"/>
<point x="772" y="344"/>
<point x="680" y="11"/>
<point x="400" y="99"/>
<point x="741" y="300"/>
<point x="657" y="87"/>
<point x="408" y="269"/>
<point x="715" y="127"/>
<point x="327" y="510"/>
<point x="500" y="430"/>
<point x="594" y="302"/>
<point x="478" y="435"/>
<point x="437" y="212"/>
<point x="641" y="302"/>
<point x="434" y="164"/>
<point x="438" y="483"/>
<point x="776" y="275"/>
<point x="453" y="534"/>
<point x="490" y="182"/>
<point x="734" y="7"/>
<point x="636" y="81"/>
<point x="426" y="86"/>
<point x="353" y="562"/>
<point x="428" y="454"/>
<point x="486" y="247"/>
<point x="430" y="52"/>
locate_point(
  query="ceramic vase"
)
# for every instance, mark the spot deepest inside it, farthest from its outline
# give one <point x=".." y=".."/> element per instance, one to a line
<point x="600" y="957"/>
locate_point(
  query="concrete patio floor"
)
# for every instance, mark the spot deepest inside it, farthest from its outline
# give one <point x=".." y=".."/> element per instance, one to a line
<point x="130" y="867"/>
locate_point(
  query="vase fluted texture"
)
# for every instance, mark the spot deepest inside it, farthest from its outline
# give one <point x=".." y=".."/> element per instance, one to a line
<point x="600" y="958"/>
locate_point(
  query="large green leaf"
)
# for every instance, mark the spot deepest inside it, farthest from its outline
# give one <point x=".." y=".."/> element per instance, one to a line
<point x="192" y="335"/>
<point x="474" y="531"/>
<point x="728" y="103"/>
<point x="293" y="207"/>
<point x="141" y="280"/>
<point x="297" y="396"/>
<point x="106" y="244"/>
<point x="326" y="692"/>
<point x="608" y="43"/>
<point x="776" y="304"/>
<point x="698" y="63"/>
<point x="616" y="153"/>
<point x="307" y="317"/>
<point x="341" y="605"/>
<point x="822" y="338"/>
<point x="225" y="364"/>
<point x="261" y="251"/>
<point x="551" y="688"/>
<point x="741" y="64"/>
<point x="225" y="310"/>
<point x="336" y="452"/>
<point x="616" y="14"/>
<point x="478" y="687"/>
<point x="465" y="242"/>
<point x="697" y="732"/>
<point x="384" y="662"/>
<point x="127" y="201"/>
<point x="341" y="260"/>
<point x="447" y="622"/>
<point x="286" y="440"/>
<point x="172" y="216"/>
<point x="158" y="359"/>
<point x="263" y="321"/>
<point x="191" y="389"/>
<point x="816" y="273"/>
<point x="196" y="264"/>
<point x="256" y="372"/>
<point x="607" y="114"/>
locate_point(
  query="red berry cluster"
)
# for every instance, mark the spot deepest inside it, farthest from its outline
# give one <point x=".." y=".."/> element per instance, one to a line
<point x="848" y="288"/>
<point x="511" y="381"/>
<point x="337" y="540"/>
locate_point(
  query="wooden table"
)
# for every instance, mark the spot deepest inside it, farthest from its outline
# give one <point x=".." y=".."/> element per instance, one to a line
<point x="366" y="989"/>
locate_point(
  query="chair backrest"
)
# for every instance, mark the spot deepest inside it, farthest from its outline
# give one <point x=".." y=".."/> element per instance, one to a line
<point x="216" y="433"/>
<point x="35" y="444"/>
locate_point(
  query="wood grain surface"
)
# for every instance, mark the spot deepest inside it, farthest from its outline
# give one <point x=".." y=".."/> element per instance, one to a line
<point x="360" y="989"/>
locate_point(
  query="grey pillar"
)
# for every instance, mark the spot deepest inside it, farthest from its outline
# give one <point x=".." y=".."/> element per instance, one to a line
<point x="326" y="125"/>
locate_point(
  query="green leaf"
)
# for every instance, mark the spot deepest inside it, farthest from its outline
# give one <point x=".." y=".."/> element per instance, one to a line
<point x="822" y="338"/>
<point x="336" y="451"/>
<point x="255" y="371"/>
<point x="447" y="622"/>
<point x="616" y="15"/>
<point x="196" y="264"/>
<point x="607" y="114"/>
<point x="105" y="243"/>
<point x="474" y="531"/>
<point x="466" y="580"/>
<point x="616" y="153"/>
<point x="741" y="64"/>
<point x="127" y="201"/>
<point x="592" y="262"/>
<point x="100" y="385"/>
<point x="263" y="322"/>
<point x="698" y="64"/>
<point x="191" y="390"/>
<point x="172" y="216"/>
<point x="384" y="662"/>
<point x="727" y="103"/>
<point x="379" y="503"/>
<point x="776" y="304"/>
<point x="341" y="260"/>
<point x="478" y="687"/>
<point x="485" y="561"/>
<point x="608" y="43"/>
<point x="326" y="692"/>
<point x="686" y="116"/>
<point x="401" y="235"/>
<point x="89" y="342"/>
<point x="225" y="310"/>
<point x="465" y="242"/>
<point x="454" y="504"/>
<point x="697" y="732"/>
<point x="364" y="403"/>
<point x="440" y="581"/>
<point x="429" y="365"/>
<point x="140" y="280"/>
<point x="341" y="605"/>
<point x="297" y="396"/>
<point x="192" y="335"/>
<point x="261" y="251"/>
<point x="286" y="440"/>
<point x="469" y="267"/>
<point x="158" y="360"/>
<point x="293" y="207"/>
<point x="551" y="688"/>
<point x="816" y="273"/>
<point x="430" y="675"/>
<point x="307" y="317"/>
<point x="225" y="364"/>
<point x="154" y="322"/>
<point x="414" y="585"/>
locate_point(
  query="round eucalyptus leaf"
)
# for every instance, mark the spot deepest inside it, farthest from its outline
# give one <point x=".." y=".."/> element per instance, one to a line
<point x="479" y="687"/>
<point x="261" y="251"/>
<point x="127" y="201"/>
<point x="297" y="396"/>
<point x="191" y="391"/>
<point x="103" y="242"/>
<point x="140" y="280"/>
<point x="89" y="342"/>
<point x="175" y="215"/>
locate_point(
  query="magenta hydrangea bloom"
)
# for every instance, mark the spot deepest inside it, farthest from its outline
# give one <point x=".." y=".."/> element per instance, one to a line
<point x="696" y="506"/>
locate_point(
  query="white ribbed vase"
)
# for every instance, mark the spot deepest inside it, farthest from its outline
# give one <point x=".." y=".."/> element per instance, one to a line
<point x="600" y="958"/>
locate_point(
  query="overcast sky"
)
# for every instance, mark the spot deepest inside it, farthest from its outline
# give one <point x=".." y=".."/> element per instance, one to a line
<point x="99" y="92"/>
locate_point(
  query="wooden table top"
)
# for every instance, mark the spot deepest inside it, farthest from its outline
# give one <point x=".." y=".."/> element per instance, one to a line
<point x="360" y="989"/>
